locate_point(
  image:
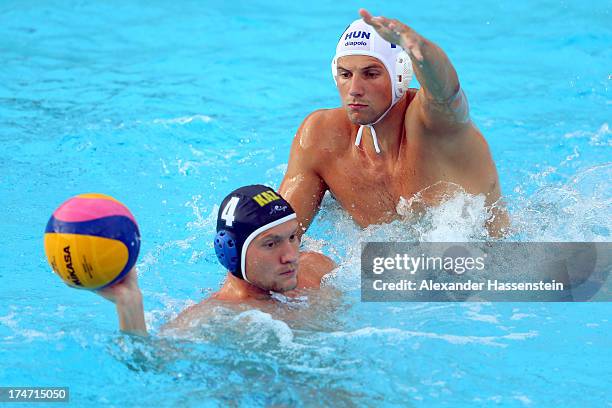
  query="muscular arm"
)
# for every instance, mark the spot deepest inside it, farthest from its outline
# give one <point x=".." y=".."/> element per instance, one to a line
<point x="442" y="105"/>
<point x="302" y="186"/>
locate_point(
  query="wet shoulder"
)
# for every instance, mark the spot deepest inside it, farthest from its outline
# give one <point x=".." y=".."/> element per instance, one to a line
<point x="325" y="131"/>
<point x="207" y="311"/>
<point x="313" y="266"/>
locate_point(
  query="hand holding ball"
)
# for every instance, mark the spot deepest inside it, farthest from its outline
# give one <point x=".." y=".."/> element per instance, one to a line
<point x="92" y="241"/>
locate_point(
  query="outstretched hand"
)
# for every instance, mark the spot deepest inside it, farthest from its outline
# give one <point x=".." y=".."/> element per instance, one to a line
<point x="395" y="32"/>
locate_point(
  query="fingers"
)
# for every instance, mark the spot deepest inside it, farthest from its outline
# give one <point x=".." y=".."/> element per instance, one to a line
<point x="395" y="25"/>
<point x="395" y="32"/>
<point x="376" y="22"/>
<point x="380" y="22"/>
<point x="416" y="52"/>
<point x="365" y="14"/>
<point x="120" y="288"/>
<point x="392" y="25"/>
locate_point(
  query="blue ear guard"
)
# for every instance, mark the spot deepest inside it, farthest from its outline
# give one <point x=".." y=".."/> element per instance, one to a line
<point x="225" y="248"/>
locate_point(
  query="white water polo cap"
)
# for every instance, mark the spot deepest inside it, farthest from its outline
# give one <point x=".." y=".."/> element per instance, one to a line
<point x="361" y="38"/>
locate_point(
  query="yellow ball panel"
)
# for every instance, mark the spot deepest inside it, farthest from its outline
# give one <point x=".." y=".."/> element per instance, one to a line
<point x="85" y="261"/>
<point x="98" y="195"/>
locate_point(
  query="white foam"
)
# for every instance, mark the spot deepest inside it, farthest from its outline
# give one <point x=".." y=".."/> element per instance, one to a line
<point x="151" y="258"/>
<point x="9" y="320"/>
<point x="600" y="137"/>
<point x="259" y="325"/>
<point x="482" y="317"/>
<point x="450" y="338"/>
<point x="578" y="210"/>
<point x="520" y="316"/>
<point x="521" y="336"/>
<point x="26" y="334"/>
<point x="523" y="398"/>
<point x="458" y="218"/>
<point x="183" y="120"/>
<point x="187" y="166"/>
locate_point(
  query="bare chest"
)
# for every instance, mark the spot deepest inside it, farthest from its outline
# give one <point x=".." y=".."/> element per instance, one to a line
<point x="370" y="192"/>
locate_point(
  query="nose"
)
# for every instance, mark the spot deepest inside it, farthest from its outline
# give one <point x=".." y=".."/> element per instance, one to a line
<point x="290" y="253"/>
<point x="356" y="86"/>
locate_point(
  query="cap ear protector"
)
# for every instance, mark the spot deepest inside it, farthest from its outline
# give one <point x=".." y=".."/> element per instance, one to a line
<point x="400" y="79"/>
<point x="227" y="251"/>
<point x="403" y="73"/>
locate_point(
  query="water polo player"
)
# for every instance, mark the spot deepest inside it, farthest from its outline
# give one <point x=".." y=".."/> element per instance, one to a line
<point x="257" y="242"/>
<point x="389" y="141"/>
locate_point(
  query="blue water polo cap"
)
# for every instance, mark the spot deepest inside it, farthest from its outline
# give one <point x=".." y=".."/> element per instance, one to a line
<point x="244" y="214"/>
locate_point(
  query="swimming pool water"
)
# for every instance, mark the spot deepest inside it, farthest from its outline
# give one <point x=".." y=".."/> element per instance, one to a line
<point x="168" y="107"/>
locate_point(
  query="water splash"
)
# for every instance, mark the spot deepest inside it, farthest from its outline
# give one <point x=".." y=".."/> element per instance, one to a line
<point x="579" y="209"/>
<point x="601" y="137"/>
<point x="459" y="217"/>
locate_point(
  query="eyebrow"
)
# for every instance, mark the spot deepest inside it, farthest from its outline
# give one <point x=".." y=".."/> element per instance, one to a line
<point x="271" y="236"/>
<point x="276" y="236"/>
<point x="371" y="66"/>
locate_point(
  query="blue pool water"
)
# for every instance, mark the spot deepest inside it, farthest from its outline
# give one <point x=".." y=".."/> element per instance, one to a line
<point x="169" y="106"/>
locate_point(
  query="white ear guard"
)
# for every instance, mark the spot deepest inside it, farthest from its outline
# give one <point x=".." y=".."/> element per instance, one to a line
<point x="403" y="73"/>
<point x="334" y="70"/>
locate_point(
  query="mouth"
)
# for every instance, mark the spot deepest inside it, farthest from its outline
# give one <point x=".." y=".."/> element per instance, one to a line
<point x="289" y="273"/>
<point x="357" y="106"/>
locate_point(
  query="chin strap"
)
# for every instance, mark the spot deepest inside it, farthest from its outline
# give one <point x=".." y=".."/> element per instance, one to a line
<point x="372" y="131"/>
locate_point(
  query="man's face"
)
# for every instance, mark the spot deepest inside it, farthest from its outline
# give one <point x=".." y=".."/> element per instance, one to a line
<point x="272" y="258"/>
<point x="364" y="86"/>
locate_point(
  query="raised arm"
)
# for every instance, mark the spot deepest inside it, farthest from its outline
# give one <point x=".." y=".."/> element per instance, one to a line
<point x="302" y="186"/>
<point x="442" y="104"/>
<point x="127" y="298"/>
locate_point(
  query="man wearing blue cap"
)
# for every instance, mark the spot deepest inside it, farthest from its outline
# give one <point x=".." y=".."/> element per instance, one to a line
<point x="389" y="141"/>
<point x="257" y="242"/>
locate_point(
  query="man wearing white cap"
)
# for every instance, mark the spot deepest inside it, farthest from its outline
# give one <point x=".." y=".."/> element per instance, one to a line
<point x="389" y="141"/>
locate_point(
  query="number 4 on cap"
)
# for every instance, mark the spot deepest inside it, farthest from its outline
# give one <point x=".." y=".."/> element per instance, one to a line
<point x="228" y="212"/>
